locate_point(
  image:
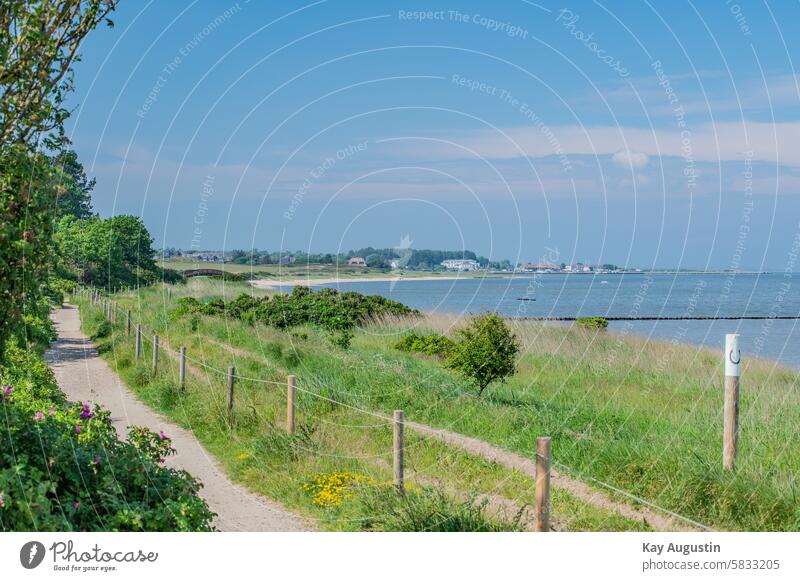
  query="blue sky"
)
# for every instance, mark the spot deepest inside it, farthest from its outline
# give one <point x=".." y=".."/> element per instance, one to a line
<point x="649" y="134"/>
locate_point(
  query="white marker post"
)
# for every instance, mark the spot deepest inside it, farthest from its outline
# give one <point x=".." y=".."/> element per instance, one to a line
<point x="730" y="444"/>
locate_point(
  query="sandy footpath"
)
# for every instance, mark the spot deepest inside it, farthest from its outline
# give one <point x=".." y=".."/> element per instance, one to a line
<point x="84" y="376"/>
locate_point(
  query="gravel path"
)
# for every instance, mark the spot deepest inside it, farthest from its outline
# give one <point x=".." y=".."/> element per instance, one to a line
<point x="579" y="489"/>
<point x="84" y="376"/>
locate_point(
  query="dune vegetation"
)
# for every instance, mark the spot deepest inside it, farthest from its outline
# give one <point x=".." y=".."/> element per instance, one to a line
<point x="645" y="417"/>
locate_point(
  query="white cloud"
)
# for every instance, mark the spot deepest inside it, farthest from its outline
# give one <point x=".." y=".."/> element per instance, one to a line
<point x="630" y="159"/>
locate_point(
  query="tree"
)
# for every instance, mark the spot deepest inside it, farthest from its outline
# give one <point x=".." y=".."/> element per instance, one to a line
<point x="74" y="196"/>
<point x="39" y="42"/>
<point x="374" y="260"/>
<point x="486" y="351"/>
<point x="110" y="253"/>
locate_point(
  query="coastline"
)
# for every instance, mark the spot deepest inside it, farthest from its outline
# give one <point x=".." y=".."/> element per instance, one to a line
<point x="269" y="284"/>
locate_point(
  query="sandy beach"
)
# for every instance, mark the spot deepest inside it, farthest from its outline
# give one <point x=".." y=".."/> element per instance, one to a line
<point x="307" y="281"/>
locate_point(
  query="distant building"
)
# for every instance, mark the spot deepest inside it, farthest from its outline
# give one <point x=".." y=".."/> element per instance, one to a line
<point x="356" y="261"/>
<point x="208" y="256"/>
<point x="286" y="260"/>
<point x="539" y="267"/>
<point x="461" y="265"/>
<point x="394" y="263"/>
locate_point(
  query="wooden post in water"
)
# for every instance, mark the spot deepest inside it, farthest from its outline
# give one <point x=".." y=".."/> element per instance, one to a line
<point x="155" y="354"/>
<point x="730" y="438"/>
<point x="542" y="485"/>
<point x="182" y="369"/>
<point x="231" y="376"/>
<point x="290" y="401"/>
<point x="398" y="446"/>
<point x="138" y="341"/>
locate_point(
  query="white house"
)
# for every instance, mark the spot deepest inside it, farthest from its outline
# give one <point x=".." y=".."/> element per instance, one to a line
<point x="356" y="261"/>
<point x="461" y="265"/>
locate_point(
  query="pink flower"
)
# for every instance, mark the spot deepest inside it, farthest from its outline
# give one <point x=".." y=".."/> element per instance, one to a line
<point x="5" y="391"/>
<point x="86" y="414"/>
<point x="77" y="429"/>
<point x="38" y="416"/>
<point x="162" y="435"/>
<point x="76" y="505"/>
<point x="2" y="500"/>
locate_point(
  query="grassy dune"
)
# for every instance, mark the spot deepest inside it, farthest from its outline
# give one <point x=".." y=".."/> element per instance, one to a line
<point x="645" y="417"/>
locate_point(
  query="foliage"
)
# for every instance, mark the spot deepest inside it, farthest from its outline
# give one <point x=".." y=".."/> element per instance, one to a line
<point x="112" y="253"/>
<point x="592" y="322"/>
<point x="486" y="351"/>
<point x="327" y="308"/>
<point x="155" y="446"/>
<point x="62" y="467"/>
<point x="424" y="510"/>
<point x="341" y="339"/>
<point x="39" y="40"/>
<point x="74" y="188"/>
<point x="171" y="276"/>
<point x="431" y="344"/>
<point x="26" y="190"/>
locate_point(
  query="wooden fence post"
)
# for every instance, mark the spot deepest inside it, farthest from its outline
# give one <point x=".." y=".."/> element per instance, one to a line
<point x="116" y="312"/>
<point x="138" y="341"/>
<point x="128" y="323"/>
<point x="155" y="353"/>
<point x="398" y="446"/>
<point x="542" y="485"/>
<point x="231" y="375"/>
<point x="182" y="369"/>
<point x="290" y="402"/>
<point x="730" y="444"/>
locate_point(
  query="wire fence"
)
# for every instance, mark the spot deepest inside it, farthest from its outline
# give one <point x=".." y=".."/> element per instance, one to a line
<point x="398" y="421"/>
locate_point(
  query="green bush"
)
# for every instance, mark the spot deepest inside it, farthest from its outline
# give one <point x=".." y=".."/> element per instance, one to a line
<point x="103" y="330"/>
<point x="485" y="352"/>
<point x="432" y="344"/>
<point x="592" y="322"/>
<point x="62" y="467"/>
<point x="326" y="308"/>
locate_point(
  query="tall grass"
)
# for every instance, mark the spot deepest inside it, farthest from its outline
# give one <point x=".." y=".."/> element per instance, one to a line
<point x="254" y="448"/>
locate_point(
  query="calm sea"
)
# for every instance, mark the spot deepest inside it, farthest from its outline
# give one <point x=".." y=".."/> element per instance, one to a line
<point x="636" y="295"/>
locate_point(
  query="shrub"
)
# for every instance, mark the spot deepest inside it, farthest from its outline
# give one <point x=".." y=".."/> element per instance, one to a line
<point x="433" y="344"/>
<point x="592" y="322"/>
<point x="486" y="351"/>
<point x="103" y="330"/>
<point x="341" y="339"/>
<point x="62" y="467"/>
<point x="326" y="308"/>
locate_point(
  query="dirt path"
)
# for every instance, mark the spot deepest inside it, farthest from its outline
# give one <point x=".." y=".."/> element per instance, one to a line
<point x="579" y="489"/>
<point x="84" y="376"/>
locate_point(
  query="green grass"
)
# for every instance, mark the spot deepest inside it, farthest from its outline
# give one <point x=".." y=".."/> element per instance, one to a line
<point x="645" y="417"/>
<point x="254" y="448"/>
